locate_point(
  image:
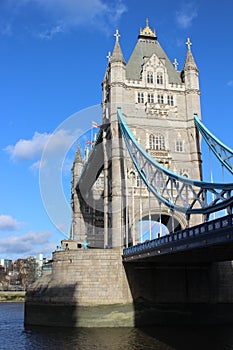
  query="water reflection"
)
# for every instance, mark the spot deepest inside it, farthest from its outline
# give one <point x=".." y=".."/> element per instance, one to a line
<point x="156" y="338"/>
<point x="13" y="336"/>
<point x="92" y="339"/>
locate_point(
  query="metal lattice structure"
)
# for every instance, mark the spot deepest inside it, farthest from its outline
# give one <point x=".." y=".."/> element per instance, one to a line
<point x="176" y="192"/>
<point x="221" y="151"/>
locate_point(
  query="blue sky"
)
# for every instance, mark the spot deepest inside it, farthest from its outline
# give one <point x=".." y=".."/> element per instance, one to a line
<point x="53" y="60"/>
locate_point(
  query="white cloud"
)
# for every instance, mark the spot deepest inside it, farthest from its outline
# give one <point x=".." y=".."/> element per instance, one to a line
<point x="186" y="14"/>
<point x="65" y="15"/>
<point x="36" y="166"/>
<point x="8" y="223"/>
<point x="32" y="149"/>
<point x="48" y="34"/>
<point x="28" y="149"/>
<point x="31" y="243"/>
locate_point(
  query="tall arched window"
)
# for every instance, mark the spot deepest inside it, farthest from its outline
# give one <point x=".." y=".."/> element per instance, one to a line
<point x="157" y="142"/>
<point x="151" y="142"/>
<point x="159" y="78"/>
<point x="150" y="78"/>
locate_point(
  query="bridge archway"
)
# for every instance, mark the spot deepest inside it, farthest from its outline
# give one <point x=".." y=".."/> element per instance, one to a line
<point x="173" y="222"/>
<point x="170" y="223"/>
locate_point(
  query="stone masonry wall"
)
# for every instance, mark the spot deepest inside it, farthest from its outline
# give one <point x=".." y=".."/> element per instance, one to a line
<point x="86" y="277"/>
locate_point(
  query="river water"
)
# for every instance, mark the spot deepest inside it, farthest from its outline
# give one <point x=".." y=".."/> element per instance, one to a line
<point x="13" y="336"/>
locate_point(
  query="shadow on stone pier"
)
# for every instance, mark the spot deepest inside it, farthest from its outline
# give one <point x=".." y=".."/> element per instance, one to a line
<point x="53" y="306"/>
<point x="181" y="294"/>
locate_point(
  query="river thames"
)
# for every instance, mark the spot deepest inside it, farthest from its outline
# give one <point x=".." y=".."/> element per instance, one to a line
<point x="13" y="336"/>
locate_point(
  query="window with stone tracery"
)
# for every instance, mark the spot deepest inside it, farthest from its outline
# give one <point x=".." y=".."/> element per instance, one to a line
<point x="160" y="99"/>
<point x="140" y="97"/>
<point x="150" y="98"/>
<point x="150" y="78"/>
<point x="179" y="146"/>
<point x="156" y="142"/>
<point x="135" y="179"/>
<point x="170" y="100"/>
<point x="159" y="78"/>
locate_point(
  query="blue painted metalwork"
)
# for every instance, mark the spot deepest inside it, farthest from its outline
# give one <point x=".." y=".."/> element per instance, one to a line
<point x="176" y="192"/>
<point x="221" y="151"/>
<point x="206" y="234"/>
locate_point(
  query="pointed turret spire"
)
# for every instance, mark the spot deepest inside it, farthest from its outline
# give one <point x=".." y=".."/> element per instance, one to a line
<point x="78" y="156"/>
<point x="189" y="62"/>
<point x="117" y="55"/>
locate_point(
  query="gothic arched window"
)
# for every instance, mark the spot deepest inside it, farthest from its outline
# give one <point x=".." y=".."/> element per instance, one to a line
<point x="140" y="97"/>
<point x="151" y="141"/>
<point x="170" y="100"/>
<point x="150" y="78"/>
<point x="150" y="98"/>
<point x="159" y="78"/>
<point x="157" y="142"/>
<point x="179" y="146"/>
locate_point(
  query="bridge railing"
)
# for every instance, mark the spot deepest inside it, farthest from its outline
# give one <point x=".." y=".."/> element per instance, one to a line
<point x="219" y="224"/>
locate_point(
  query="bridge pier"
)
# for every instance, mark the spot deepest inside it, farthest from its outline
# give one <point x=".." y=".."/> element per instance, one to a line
<point x="93" y="288"/>
<point x="86" y="288"/>
<point x="181" y="294"/>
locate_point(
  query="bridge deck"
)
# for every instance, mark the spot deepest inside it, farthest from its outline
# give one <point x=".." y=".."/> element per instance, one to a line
<point x="205" y="243"/>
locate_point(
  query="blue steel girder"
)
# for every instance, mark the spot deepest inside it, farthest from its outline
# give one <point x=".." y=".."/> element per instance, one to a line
<point x="223" y="153"/>
<point x="176" y="192"/>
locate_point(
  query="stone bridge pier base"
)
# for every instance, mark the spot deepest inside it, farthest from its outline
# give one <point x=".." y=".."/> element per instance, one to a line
<point x="92" y="288"/>
<point x="185" y="294"/>
<point x="86" y="288"/>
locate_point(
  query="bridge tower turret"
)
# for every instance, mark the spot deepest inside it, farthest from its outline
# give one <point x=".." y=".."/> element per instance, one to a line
<point x="78" y="225"/>
<point x="192" y="95"/>
<point x="114" y="85"/>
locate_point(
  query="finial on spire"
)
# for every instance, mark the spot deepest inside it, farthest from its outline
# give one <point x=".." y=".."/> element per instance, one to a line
<point x="175" y="64"/>
<point x="109" y="56"/>
<point x="117" y="35"/>
<point x="188" y="43"/>
<point x="147" y="32"/>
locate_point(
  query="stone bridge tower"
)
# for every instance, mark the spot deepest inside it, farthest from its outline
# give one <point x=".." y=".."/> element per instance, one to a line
<point x="158" y="102"/>
<point x="93" y="287"/>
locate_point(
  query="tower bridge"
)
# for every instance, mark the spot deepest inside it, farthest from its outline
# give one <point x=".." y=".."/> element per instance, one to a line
<point x="145" y="165"/>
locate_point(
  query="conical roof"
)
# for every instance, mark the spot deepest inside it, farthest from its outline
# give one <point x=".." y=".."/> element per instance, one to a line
<point x="78" y="156"/>
<point x="117" y="55"/>
<point x="189" y="61"/>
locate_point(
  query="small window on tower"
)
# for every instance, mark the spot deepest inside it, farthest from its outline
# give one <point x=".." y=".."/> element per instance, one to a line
<point x="179" y="146"/>
<point x="150" y="78"/>
<point x="159" y="78"/>
<point x="170" y="100"/>
<point x="140" y="97"/>
<point x="157" y="142"/>
<point x="160" y="99"/>
<point x="150" y="98"/>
